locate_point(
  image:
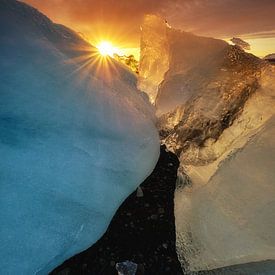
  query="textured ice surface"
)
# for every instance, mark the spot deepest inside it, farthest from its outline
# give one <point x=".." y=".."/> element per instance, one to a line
<point x="230" y="220"/>
<point x="216" y="112"/>
<point x="76" y="138"/>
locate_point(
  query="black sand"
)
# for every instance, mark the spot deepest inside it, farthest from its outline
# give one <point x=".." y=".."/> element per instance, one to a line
<point x="142" y="230"/>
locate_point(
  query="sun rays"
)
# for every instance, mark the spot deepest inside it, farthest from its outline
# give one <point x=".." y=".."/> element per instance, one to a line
<point x="90" y="63"/>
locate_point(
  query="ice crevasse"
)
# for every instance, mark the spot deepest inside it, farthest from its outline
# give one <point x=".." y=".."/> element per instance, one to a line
<point x="76" y="138"/>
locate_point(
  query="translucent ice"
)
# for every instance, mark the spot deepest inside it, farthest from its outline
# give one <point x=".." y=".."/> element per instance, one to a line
<point x="230" y="220"/>
<point x="216" y="111"/>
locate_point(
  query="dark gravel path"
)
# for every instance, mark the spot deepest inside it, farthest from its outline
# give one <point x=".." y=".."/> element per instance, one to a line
<point x="142" y="230"/>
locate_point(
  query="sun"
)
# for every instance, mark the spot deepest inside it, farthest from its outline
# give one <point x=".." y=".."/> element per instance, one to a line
<point x="106" y="48"/>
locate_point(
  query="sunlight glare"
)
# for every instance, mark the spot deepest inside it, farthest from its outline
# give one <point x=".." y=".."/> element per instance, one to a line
<point x="106" y="48"/>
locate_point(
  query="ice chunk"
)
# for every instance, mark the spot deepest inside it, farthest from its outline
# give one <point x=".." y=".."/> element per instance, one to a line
<point x="216" y="112"/>
<point x="139" y="192"/>
<point x="230" y="220"/>
<point x="126" y="268"/>
<point x="75" y="139"/>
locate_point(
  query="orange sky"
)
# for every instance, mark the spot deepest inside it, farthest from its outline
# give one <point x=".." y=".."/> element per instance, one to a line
<point x="119" y="20"/>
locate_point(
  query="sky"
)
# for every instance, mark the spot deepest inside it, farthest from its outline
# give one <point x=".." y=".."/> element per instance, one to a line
<point x="119" y="20"/>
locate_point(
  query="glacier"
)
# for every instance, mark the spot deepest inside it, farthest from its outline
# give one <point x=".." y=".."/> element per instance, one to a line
<point x="215" y="109"/>
<point x="76" y="138"/>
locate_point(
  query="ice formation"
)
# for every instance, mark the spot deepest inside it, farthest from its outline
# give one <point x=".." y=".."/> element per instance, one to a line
<point x="215" y="107"/>
<point x="230" y="219"/>
<point x="76" y="137"/>
<point x="154" y="49"/>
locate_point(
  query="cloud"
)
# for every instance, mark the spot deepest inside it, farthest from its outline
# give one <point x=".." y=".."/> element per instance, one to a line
<point x="256" y="35"/>
<point x="224" y="18"/>
<point x="122" y="18"/>
<point x="110" y="17"/>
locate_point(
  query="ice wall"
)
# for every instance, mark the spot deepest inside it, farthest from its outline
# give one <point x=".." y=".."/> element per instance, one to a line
<point x="76" y="138"/>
